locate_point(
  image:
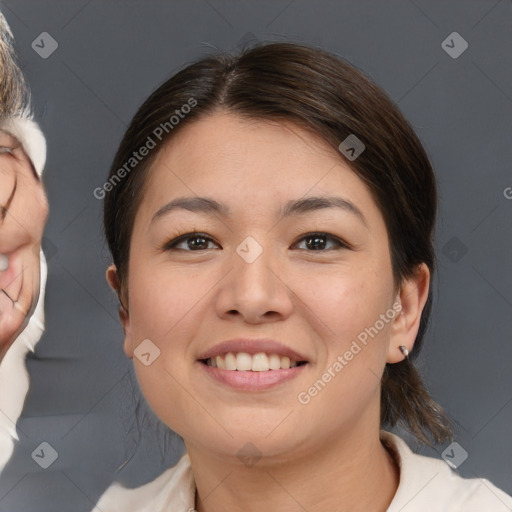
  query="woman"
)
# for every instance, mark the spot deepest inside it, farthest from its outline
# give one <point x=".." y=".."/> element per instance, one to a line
<point x="24" y="210"/>
<point x="272" y="254"/>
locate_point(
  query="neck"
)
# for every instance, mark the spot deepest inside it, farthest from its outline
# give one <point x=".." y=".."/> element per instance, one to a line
<point x="353" y="473"/>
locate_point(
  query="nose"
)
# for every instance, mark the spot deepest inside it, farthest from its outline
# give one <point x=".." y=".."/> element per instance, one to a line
<point x="256" y="290"/>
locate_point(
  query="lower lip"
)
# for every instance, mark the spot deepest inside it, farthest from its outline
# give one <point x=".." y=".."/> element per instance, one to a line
<point x="252" y="381"/>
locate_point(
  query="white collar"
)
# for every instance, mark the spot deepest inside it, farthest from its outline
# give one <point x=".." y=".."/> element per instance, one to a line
<point x="426" y="484"/>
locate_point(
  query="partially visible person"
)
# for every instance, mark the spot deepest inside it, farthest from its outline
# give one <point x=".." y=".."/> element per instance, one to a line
<point x="23" y="214"/>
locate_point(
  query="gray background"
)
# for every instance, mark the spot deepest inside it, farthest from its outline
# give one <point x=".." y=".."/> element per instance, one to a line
<point x="110" y="56"/>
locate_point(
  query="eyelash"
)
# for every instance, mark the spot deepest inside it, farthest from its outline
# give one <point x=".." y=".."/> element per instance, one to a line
<point x="171" y="245"/>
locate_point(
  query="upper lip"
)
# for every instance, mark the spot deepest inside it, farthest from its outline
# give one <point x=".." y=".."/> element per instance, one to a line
<point x="252" y="346"/>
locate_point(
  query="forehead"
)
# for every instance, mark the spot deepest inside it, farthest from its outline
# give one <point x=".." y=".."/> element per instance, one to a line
<point x="231" y="139"/>
<point x="251" y="163"/>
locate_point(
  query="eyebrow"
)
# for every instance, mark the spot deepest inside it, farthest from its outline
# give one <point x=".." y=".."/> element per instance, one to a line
<point x="209" y="206"/>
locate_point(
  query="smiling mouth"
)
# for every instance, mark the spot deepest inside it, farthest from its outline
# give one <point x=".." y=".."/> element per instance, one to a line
<point x="243" y="361"/>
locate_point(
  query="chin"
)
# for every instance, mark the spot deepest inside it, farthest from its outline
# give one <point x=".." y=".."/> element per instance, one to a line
<point x="250" y="442"/>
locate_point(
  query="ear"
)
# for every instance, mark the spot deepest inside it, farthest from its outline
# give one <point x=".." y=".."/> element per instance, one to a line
<point x="411" y="298"/>
<point x="124" y="316"/>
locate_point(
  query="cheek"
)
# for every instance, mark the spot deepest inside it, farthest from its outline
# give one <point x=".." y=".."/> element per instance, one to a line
<point x="355" y="339"/>
<point x="7" y="182"/>
<point x="33" y="205"/>
<point x="41" y="209"/>
<point x="167" y="305"/>
<point x="157" y="301"/>
<point x="347" y="300"/>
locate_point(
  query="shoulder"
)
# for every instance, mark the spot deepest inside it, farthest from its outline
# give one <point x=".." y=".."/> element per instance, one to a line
<point x="428" y="484"/>
<point x="173" y="490"/>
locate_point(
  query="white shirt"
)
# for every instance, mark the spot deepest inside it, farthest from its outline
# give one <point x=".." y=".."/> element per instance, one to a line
<point x="14" y="378"/>
<point x="426" y="485"/>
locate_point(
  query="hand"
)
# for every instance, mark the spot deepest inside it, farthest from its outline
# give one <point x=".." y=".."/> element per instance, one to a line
<point x="23" y="214"/>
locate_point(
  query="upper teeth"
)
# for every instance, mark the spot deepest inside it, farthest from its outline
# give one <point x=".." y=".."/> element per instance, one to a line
<point x="259" y="362"/>
<point x="4" y="262"/>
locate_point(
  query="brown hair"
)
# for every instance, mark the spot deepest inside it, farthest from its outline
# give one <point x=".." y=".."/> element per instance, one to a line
<point x="326" y="95"/>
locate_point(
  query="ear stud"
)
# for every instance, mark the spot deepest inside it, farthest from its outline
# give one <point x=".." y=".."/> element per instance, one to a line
<point x="404" y="351"/>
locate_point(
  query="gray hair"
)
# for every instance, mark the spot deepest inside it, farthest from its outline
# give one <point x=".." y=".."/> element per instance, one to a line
<point x="15" y="98"/>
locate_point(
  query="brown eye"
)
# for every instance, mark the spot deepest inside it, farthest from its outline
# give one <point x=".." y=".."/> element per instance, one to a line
<point x="199" y="242"/>
<point x="318" y="242"/>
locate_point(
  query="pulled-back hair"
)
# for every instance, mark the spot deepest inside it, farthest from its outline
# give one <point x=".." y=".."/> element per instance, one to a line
<point x="329" y="97"/>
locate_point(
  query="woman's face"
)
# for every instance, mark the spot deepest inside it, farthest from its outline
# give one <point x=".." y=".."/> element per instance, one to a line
<point x="23" y="214"/>
<point x="259" y="269"/>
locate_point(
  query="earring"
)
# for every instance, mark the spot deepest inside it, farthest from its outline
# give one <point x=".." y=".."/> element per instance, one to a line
<point x="404" y="351"/>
